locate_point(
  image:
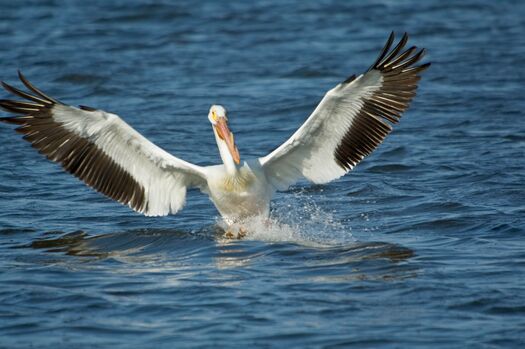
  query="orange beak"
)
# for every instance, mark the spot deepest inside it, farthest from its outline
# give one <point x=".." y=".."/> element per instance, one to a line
<point x="225" y="134"/>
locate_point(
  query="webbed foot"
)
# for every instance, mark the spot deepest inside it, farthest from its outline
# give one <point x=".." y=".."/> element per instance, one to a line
<point x="230" y="234"/>
<point x="242" y="233"/>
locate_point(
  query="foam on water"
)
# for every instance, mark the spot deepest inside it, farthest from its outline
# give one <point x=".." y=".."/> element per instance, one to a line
<point x="298" y="219"/>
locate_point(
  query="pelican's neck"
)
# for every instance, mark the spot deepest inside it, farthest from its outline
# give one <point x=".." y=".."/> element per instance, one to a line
<point x="226" y="156"/>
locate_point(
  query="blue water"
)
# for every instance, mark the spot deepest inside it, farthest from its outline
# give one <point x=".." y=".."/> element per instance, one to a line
<point x="422" y="245"/>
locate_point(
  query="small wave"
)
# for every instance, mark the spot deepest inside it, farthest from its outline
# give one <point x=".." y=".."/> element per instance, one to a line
<point x="308" y="73"/>
<point x="80" y="78"/>
<point x="389" y="168"/>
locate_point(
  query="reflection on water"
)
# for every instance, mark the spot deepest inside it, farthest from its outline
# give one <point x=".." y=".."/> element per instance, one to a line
<point x="208" y="247"/>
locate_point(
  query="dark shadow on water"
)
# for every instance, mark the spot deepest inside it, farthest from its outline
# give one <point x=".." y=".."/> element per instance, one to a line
<point x="80" y="243"/>
<point x="139" y="241"/>
<point x="208" y="250"/>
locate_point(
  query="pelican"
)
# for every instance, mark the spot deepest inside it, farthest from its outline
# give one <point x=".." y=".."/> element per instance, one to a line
<point x="102" y="150"/>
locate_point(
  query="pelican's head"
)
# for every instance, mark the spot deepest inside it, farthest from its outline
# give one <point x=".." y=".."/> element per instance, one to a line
<point x="224" y="136"/>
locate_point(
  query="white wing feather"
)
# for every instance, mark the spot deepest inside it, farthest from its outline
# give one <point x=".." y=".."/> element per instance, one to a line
<point x="351" y="120"/>
<point x="309" y="151"/>
<point x="105" y="152"/>
<point x="163" y="176"/>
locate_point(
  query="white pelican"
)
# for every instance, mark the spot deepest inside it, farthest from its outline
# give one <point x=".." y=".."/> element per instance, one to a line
<point x="107" y="154"/>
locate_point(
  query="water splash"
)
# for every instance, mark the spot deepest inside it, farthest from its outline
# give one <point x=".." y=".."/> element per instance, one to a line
<point x="297" y="218"/>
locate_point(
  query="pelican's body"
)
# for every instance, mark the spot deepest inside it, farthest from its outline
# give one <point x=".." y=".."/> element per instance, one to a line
<point x="106" y="153"/>
<point x="241" y="195"/>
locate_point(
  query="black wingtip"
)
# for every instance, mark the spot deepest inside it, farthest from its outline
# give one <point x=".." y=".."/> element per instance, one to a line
<point x="34" y="89"/>
<point x="384" y="51"/>
<point x="393" y="53"/>
<point x="5" y="85"/>
<point x="20" y="93"/>
<point x="87" y="108"/>
<point x="16" y="120"/>
<point x="22" y="78"/>
<point x="425" y="66"/>
<point x="395" y="59"/>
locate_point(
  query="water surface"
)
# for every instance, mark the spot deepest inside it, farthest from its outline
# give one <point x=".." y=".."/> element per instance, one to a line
<point x="420" y="246"/>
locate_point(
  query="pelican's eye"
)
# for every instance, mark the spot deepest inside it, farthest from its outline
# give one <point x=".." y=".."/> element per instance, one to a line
<point x="214" y="115"/>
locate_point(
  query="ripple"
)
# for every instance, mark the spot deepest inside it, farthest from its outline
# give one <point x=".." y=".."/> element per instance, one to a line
<point x="389" y="168"/>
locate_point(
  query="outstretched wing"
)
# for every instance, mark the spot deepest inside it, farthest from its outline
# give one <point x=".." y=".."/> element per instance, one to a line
<point x="103" y="151"/>
<point x="351" y="120"/>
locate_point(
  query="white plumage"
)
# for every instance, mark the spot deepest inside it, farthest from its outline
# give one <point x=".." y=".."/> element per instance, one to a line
<point x="163" y="176"/>
<point x="101" y="149"/>
<point x="309" y="151"/>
